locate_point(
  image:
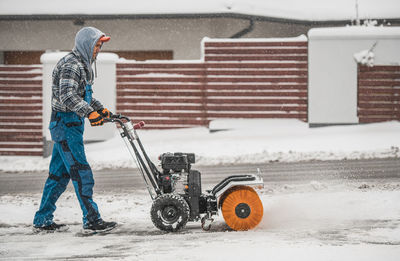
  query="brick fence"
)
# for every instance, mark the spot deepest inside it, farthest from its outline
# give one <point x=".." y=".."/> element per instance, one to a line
<point x="21" y="110"/>
<point x="237" y="79"/>
<point x="378" y="93"/>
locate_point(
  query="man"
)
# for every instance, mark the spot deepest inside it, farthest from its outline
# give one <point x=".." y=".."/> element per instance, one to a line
<point x="71" y="102"/>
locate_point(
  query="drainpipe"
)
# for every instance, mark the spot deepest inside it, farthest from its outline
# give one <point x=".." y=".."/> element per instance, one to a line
<point x="244" y="31"/>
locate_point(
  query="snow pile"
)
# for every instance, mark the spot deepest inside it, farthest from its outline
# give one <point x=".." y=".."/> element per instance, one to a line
<point x="370" y="22"/>
<point x="366" y="57"/>
<point x="243" y="141"/>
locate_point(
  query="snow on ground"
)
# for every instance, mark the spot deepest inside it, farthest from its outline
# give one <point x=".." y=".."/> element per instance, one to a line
<point x="310" y="221"/>
<point x="242" y="141"/>
<point x="318" y="220"/>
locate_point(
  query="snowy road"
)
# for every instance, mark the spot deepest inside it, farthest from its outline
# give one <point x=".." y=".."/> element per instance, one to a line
<point x="335" y="210"/>
<point x="297" y="172"/>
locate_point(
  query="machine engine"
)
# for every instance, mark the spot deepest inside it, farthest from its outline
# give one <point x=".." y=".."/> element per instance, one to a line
<point x="175" y="167"/>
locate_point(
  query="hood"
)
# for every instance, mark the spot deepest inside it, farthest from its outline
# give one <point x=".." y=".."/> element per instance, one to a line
<point x="85" y="40"/>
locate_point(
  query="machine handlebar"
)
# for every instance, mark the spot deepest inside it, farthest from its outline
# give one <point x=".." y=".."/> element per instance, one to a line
<point x="121" y="118"/>
<point x="138" y="125"/>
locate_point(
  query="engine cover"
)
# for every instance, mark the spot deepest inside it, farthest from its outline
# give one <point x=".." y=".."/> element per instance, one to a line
<point x="177" y="161"/>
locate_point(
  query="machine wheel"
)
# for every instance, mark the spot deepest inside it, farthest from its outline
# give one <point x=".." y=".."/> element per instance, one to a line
<point x="170" y="212"/>
<point x="242" y="208"/>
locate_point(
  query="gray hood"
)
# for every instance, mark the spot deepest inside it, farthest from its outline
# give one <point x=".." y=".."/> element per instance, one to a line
<point x="85" y="40"/>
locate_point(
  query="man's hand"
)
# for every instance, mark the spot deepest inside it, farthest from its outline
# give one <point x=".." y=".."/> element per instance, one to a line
<point x="105" y="113"/>
<point x="95" y="119"/>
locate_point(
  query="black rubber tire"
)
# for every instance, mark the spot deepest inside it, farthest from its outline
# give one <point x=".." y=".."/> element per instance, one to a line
<point x="170" y="212"/>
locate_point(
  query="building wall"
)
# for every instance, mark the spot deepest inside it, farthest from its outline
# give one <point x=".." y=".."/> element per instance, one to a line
<point x="182" y="36"/>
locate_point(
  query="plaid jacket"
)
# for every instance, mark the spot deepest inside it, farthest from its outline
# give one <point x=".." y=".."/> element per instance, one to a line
<point x="70" y="77"/>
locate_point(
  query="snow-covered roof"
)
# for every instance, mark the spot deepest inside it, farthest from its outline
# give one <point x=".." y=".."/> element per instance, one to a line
<point x="303" y="10"/>
<point x="355" y="32"/>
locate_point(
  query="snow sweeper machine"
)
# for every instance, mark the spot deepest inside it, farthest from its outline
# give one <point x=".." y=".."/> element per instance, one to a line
<point x="176" y="188"/>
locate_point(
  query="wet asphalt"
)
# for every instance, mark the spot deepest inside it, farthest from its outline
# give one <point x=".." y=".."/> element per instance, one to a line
<point x="117" y="180"/>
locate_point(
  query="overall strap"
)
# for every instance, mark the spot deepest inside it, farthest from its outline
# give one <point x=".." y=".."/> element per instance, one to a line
<point x="88" y="93"/>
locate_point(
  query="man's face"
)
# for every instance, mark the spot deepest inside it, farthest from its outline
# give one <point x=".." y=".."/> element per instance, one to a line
<point x="96" y="49"/>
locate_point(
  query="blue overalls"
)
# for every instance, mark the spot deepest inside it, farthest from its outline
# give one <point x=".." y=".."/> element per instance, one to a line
<point x="68" y="162"/>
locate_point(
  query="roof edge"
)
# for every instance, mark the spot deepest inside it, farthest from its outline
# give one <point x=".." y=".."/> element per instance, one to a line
<point x="183" y="16"/>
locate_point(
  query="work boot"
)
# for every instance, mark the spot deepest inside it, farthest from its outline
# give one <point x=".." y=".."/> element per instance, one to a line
<point x="51" y="228"/>
<point x="100" y="225"/>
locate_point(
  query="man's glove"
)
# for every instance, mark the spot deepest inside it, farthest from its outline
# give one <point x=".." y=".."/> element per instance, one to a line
<point x="95" y="119"/>
<point x="105" y="113"/>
